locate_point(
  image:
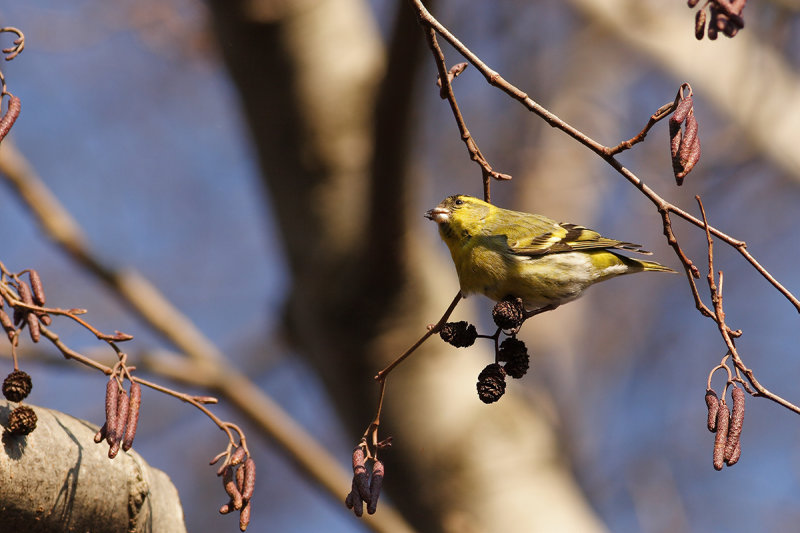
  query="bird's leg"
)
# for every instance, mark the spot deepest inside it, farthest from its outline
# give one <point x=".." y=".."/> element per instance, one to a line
<point x="535" y="312"/>
<point x="525" y="316"/>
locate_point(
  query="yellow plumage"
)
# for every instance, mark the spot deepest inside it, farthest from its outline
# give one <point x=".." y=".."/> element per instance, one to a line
<point x="502" y="253"/>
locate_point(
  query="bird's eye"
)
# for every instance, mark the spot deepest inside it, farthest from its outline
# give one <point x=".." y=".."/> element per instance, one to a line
<point x="459" y="201"/>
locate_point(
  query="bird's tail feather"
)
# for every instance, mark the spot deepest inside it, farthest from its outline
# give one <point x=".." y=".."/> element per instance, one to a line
<point x="655" y="267"/>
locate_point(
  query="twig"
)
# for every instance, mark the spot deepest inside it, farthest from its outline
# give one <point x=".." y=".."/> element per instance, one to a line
<point x="466" y="136"/>
<point x="726" y="332"/>
<point x="371" y="433"/>
<point x="19" y="43"/>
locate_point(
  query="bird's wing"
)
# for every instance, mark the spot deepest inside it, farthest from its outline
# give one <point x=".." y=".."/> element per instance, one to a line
<point x="566" y="238"/>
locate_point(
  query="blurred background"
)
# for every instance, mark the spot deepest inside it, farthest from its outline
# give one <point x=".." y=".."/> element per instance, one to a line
<point x="266" y="164"/>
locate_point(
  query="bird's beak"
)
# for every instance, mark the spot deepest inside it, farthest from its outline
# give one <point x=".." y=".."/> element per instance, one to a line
<point x="438" y="214"/>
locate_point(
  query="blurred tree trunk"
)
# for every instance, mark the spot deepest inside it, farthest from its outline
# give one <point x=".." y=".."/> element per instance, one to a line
<point x="329" y="109"/>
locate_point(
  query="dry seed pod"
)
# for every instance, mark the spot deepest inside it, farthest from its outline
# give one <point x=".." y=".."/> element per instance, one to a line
<point x="33" y="326"/>
<point x="237" y="456"/>
<point x="7" y="324"/>
<point x="5" y="320"/>
<point x="101" y="434"/>
<point x="133" y="416"/>
<point x="113" y="449"/>
<point x="36" y="286"/>
<point x="230" y="487"/>
<point x="244" y="517"/>
<point x="123" y="406"/>
<point x="684" y="146"/>
<point x="491" y="383"/>
<point x="712" y="31"/>
<point x="240" y="479"/>
<point x="21" y="421"/>
<point x="117" y="428"/>
<point x="249" y="478"/>
<point x="734" y="23"/>
<point x="227" y="508"/>
<point x="735" y="428"/>
<point x="354" y="501"/>
<point x="360" y="475"/>
<point x="33" y="322"/>
<point x="509" y="314"/>
<point x="14" y="107"/>
<point x="689" y="151"/>
<point x="25" y="293"/>
<point x="675" y="137"/>
<point x="17" y="385"/>
<point x="720" y="21"/>
<point x="692" y="3"/>
<point x="682" y="110"/>
<point x="375" y="487"/>
<point x="722" y="435"/>
<point x="700" y="24"/>
<point x="112" y="393"/>
<point x="737" y="452"/>
<point x="460" y="334"/>
<point x="712" y="402"/>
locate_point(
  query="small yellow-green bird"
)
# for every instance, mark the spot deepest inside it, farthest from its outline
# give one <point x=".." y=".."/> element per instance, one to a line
<point x="503" y="253"/>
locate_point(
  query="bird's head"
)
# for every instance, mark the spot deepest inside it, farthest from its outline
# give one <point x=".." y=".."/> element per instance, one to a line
<point x="459" y="215"/>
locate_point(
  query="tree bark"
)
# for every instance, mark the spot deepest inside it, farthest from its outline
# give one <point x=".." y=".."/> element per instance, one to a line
<point x="57" y="479"/>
